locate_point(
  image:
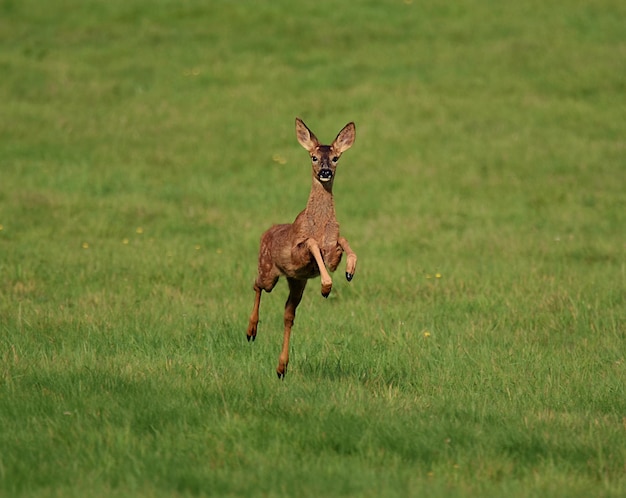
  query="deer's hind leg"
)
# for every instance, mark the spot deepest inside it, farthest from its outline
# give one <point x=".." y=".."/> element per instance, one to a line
<point x="296" y="289"/>
<point x="266" y="280"/>
<point x="254" y="316"/>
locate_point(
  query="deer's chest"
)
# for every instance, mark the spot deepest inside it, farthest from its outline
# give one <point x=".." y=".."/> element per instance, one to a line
<point x="331" y="255"/>
<point x="328" y="241"/>
<point x="327" y="237"/>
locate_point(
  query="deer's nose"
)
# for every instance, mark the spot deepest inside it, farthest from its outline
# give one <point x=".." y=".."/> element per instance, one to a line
<point x="325" y="174"/>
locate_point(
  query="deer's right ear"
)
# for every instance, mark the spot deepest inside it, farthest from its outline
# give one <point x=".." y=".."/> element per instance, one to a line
<point x="345" y="138"/>
<point x="305" y="136"/>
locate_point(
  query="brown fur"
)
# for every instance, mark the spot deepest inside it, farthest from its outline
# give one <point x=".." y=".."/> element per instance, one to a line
<point x="311" y="245"/>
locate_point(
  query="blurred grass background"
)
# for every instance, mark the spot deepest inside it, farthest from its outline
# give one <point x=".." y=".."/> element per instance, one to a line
<point x="145" y="146"/>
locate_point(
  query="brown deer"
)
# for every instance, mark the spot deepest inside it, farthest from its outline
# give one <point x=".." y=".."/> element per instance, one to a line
<point x="311" y="245"/>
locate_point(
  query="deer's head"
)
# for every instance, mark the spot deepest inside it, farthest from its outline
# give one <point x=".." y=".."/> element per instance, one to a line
<point x="324" y="157"/>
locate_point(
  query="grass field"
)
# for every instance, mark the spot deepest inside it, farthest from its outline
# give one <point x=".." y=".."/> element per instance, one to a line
<point x="479" y="350"/>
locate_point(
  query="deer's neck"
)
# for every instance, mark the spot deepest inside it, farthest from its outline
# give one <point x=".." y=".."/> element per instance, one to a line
<point x="321" y="204"/>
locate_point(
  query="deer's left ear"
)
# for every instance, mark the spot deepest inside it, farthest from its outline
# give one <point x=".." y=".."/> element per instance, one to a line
<point x="345" y="138"/>
<point x="305" y="136"/>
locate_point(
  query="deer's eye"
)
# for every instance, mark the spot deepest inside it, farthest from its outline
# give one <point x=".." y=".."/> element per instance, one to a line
<point x="314" y="158"/>
<point x="335" y="159"/>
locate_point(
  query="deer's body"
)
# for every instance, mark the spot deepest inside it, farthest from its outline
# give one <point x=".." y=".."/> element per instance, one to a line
<point x="311" y="245"/>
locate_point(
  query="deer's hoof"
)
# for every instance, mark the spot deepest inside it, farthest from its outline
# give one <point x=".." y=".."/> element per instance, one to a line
<point x="349" y="276"/>
<point x="326" y="288"/>
<point x="281" y="371"/>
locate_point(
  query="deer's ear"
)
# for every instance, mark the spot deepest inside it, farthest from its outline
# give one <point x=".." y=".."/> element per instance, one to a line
<point x="345" y="138"/>
<point x="305" y="136"/>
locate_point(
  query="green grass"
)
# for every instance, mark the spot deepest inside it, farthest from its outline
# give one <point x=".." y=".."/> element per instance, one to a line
<point x="479" y="351"/>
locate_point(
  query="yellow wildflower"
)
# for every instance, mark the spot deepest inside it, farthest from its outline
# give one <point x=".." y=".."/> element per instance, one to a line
<point x="277" y="158"/>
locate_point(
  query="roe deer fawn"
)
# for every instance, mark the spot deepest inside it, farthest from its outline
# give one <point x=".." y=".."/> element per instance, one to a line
<point x="307" y="247"/>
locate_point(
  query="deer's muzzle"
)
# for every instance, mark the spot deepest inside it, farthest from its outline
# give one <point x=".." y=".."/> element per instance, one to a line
<point x="325" y="175"/>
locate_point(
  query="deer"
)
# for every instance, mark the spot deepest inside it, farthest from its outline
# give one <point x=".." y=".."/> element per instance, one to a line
<point x="309" y="247"/>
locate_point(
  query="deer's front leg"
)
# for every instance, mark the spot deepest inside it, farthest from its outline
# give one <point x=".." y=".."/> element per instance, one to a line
<point x="327" y="282"/>
<point x="350" y="257"/>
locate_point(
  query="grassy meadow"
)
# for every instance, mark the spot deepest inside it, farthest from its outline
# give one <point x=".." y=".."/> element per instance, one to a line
<point x="480" y="349"/>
